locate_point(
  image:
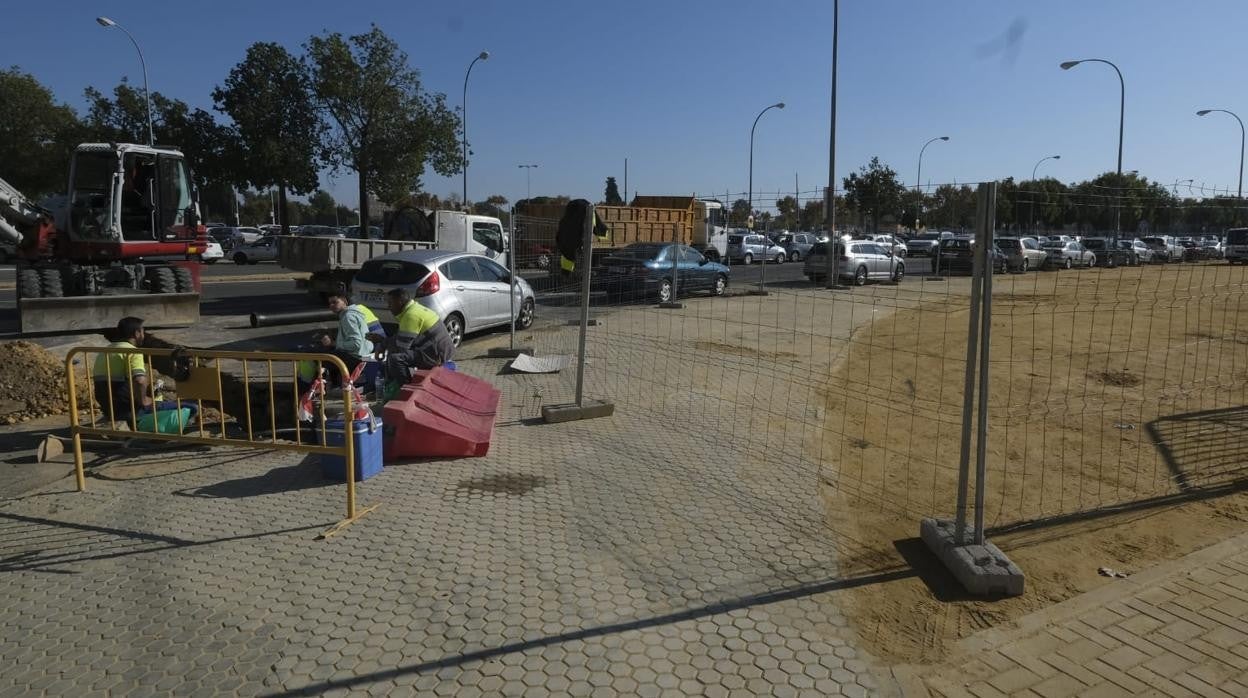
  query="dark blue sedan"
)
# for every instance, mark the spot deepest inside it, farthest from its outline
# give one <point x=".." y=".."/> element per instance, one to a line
<point x="645" y="269"/>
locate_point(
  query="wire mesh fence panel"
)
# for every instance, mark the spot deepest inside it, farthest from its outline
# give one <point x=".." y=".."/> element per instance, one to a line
<point x="1110" y="384"/>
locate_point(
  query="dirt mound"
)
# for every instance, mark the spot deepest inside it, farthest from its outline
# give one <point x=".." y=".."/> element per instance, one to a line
<point x="32" y="383"/>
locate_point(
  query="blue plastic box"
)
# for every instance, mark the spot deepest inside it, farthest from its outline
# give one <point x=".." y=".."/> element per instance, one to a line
<point x="367" y="449"/>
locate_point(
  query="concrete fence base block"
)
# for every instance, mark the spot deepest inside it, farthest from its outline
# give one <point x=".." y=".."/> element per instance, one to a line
<point x="672" y="305"/>
<point x="982" y="570"/>
<point x="591" y="409"/>
<point x="508" y="353"/>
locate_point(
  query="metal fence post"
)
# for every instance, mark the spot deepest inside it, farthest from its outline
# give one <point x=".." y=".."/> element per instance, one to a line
<point x="511" y="350"/>
<point x="582" y="408"/>
<point x="979" y="565"/>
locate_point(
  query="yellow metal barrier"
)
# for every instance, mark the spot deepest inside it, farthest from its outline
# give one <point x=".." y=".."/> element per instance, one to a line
<point x="204" y="384"/>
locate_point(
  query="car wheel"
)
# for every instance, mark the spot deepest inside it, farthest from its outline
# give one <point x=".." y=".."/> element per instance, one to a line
<point x="860" y="276"/>
<point x="525" y="320"/>
<point x="1025" y="266"/>
<point x="721" y="285"/>
<point x="747" y="259"/>
<point x="795" y="256"/>
<point x="543" y="261"/>
<point x="1092" y="261"/>
<point x="1112" y="263"/>
<point x="665" y="291"/>
<point x="899" y="273"/>
<point x="1069" y="264"/>
<point x="240" y="258"/>
<point x="780" y="258"/>
<point x="455" y="327"/>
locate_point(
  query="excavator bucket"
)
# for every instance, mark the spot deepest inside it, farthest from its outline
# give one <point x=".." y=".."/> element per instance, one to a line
<point x="93" y="313"/>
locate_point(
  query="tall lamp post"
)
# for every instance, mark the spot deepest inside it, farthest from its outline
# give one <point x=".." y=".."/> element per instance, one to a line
<point x="750" y="195"/>
<point x="1202" y="112"/>
<point x="918" y="198"/>
<point x="1122" y="111"/>
<point x="528" y="187"/>
<point x="147" y="95"/>
<point x="1033" y="182"/>
<point x="480" y="57"/>
<point x="829" y="196"/>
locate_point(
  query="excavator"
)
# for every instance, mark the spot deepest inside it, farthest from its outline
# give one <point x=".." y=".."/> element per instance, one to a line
<point x="124" y="240"/>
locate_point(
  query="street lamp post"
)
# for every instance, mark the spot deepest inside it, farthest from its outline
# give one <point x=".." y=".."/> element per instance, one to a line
<point x="528" y="186"/>
<point x="480" y="57"/>
<point x="750" y="196"/>
<point x="147" y="95"/>
<point x="919" y="202"/>
<point x="918" y="199"/>
<point x="1122" y="111"/>
<point x="1202" y="112"/>
<point x="1033" y="183"/>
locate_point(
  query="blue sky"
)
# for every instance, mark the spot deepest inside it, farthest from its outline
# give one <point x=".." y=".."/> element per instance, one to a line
<point x="576" y="87"/>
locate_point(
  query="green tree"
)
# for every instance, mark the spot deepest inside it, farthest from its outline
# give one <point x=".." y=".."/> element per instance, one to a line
<point x="789" y="214"/>
<point x="494" y="205"/>
<point x="323" y="208"/>
<point x="37" y="135"/>
<point x="384" y="126"/>
<point x="874" y="192"/>
<point x="740" y="212"/>
<point x="951" y="206"/>
<point x="276" y="127"/>
<point x="612" y="195"/>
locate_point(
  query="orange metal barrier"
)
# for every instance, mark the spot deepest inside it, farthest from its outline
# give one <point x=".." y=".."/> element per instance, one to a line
<point x="204" y="384"/>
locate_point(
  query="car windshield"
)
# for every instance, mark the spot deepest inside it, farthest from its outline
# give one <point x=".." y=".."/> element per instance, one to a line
<point x="819" y="248"/>
<point x="955" y="244"/>
<point x="391" y="272"/>
<point x="1054" y="244"/>
<point x="1009" y="244"/>
<point x="928" y="236"/>
<point x="1094" y="244"/>
<point x="735" y="239"/>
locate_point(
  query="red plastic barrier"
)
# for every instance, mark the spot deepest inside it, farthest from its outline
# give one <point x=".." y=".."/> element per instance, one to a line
<point x="441" y="413"/>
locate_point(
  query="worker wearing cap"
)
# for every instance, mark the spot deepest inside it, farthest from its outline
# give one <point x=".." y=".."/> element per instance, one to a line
<point x="422" y="341"/>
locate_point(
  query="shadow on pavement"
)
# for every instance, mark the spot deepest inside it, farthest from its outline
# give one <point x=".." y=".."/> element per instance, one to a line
<point x="453" y="660"/>
<point x="290" y="478"/>
<point x="66" y="543"/>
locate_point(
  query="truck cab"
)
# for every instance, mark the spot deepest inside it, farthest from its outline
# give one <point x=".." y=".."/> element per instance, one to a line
<point x="1235" y="246"/>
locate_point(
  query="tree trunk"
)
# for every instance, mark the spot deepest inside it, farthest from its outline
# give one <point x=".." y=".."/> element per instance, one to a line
<point x="363" y="180"/>
<point x="281" y="211"/>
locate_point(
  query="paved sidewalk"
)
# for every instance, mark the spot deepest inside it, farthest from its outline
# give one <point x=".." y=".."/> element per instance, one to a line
<point x="1179" y="629"/>
<point x="576" y="559"/>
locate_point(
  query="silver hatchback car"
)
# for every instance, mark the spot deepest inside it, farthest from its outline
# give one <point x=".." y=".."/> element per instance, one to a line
<point x="749" y="247"/>
<point x="860" y="261"/>
<point x="468" y="291"/>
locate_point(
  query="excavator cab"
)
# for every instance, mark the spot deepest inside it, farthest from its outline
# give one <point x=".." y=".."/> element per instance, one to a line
<point x="129" y="193"/>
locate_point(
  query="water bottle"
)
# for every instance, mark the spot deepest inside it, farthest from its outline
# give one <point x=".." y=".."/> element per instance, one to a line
<point x="379" y="386"/>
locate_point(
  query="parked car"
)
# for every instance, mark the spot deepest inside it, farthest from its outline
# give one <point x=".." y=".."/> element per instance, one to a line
<point x="1057" y="238"/>
<point x="894" y="243"/>
<point x="1235" y="246"/>
<point x="1138" y="252"/>
<point x="644" y="270"/>
<point x="925" y="245"/>
<point x="1108" y="254"/>
<point x="796" y="245"/>
<point x="1022" y="254"/>
<point x="1066" y="255"/>
<point x="1165" y="248"/>
<point x="860" y="261"/>
<point x="212" y="253"/>
<point x="749" y="247"/>
<point x="262" y="250"/>
<point x="468" y="291"/>
<point x="958" y="254"/>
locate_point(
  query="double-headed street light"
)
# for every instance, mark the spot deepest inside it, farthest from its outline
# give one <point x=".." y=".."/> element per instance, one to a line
<point x="1033" y="182"/>
<point x="480" y="57"/>
<point x="147" y="95"/>
<point x="1202" y="112"/>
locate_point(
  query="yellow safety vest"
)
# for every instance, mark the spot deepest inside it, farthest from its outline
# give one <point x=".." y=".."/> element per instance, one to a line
<point x="118" y="367"/>
<point x="414" y="320"/>
<point x="370" y="319"/>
